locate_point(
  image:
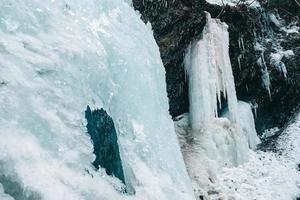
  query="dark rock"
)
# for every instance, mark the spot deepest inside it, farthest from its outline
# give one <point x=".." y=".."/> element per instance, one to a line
<point x="177" y="23"/>
<point x="104" y="137"/>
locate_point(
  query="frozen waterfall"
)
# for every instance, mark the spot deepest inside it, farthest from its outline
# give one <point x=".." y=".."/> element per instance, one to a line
<point x="206" y="137"/>
<point x="210" y="75"/>
<point x="57" y="57"/>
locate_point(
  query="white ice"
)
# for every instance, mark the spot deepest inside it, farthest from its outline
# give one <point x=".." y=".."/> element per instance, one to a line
<point x="208" y="67"/>
<point x="246" y="122"/>
<point x="210" y="143"/>
<point x="57" y="57"/>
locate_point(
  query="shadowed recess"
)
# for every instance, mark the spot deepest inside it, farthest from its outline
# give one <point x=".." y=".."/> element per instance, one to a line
<point x="103" y="134"/>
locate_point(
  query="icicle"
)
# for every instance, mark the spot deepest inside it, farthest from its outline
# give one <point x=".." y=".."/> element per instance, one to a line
<point x="265" y="74"/>
<point x="239" y="61"/>
<point x="242" y="42"/>
<point x="254" y="107"/>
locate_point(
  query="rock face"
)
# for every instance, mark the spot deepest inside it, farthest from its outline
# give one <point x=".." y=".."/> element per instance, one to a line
<point x="104" y="137"/>
<point x="264" y="42"/>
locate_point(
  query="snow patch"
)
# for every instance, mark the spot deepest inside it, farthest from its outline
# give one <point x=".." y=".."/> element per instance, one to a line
<point x="276" y="60"/>
<point x="251" y="3"/>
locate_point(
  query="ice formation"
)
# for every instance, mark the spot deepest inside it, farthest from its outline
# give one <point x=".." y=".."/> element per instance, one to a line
<point x="205" y="137"/>
<point x="265" y="76"/>
<point x="57" y="57"/>
<point x="246" y="122"/>
<point x="210" y="75"/>
<point x="276" y="60"/>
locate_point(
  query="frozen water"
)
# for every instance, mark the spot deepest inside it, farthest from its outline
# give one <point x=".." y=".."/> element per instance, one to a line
<point x="57" y="57"/>
<point x="205" y="138"/>
<point x="210" y="75"/>
<point x="246" y="122"/>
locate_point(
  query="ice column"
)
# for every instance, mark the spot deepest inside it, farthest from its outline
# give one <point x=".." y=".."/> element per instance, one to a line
<point x="210" y="75"/>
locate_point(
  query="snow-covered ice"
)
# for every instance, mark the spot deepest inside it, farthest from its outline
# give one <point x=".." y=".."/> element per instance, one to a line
<point x="252" y="3"/>
<point x="267" y="175"/>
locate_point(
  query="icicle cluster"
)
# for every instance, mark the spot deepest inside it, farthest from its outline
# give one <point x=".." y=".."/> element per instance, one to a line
<point x="210" y="74"/>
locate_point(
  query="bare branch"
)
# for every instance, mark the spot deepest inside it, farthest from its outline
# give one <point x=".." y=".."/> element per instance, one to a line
<point x="296" y="1"/>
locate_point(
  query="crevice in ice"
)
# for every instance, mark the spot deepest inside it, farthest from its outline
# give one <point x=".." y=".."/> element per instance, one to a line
<point x="101" y="128"/>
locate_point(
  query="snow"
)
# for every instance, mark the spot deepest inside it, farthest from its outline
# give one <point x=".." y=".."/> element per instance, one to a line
<point x="252" y="3"/>
<point x="291" y="29"/>
<point x="269" y="132"/>
<point x="267" y="175"/>
<point x="219" y="144"/>
<point x="276" y="60"/>
<point x="57" y="57"/>
<point x="208" y="67"/>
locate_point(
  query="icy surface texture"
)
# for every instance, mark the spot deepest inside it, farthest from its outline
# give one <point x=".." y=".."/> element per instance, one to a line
<point x="205" y="138"/>
<point x="207" y="151"/>
<point x="267" y="176"/>
<point x="246" y="122"/>
<point x="57" y="57"/>
<point x="210" y="75"/>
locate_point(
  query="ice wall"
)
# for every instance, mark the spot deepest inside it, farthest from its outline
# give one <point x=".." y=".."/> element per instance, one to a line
<point x="210" y="75"/>
<point x="57" y="57"/>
